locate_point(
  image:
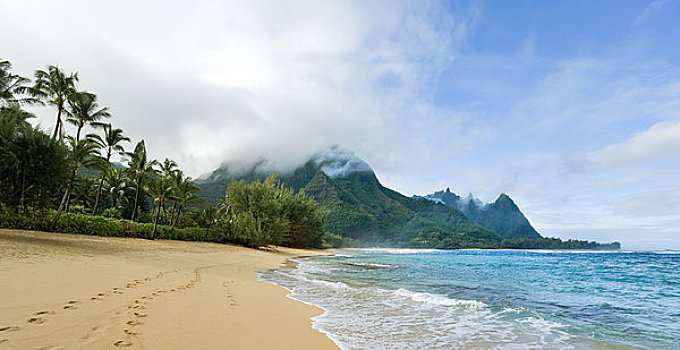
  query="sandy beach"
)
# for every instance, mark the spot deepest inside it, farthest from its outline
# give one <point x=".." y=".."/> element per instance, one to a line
<point x="61" y="291"/>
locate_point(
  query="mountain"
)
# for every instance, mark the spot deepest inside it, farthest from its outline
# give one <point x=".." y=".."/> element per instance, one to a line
<point x="502" y="216"/>
<point x="360" y="207"/>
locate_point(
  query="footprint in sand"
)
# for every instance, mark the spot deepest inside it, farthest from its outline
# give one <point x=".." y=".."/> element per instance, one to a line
<point x="36" y="320"/>
<point x="9" y="328"/>
<point x="43" y="312"/>
<point x="133" y="323"/>
<point x="138" y="314"/>
<point x="2" y="340"/>
<point x="71" y="307"/>
<point x="122" y="343"/>
<point x="129" y="332"/>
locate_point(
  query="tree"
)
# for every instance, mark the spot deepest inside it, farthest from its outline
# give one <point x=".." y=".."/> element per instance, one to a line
<point x="84" y="110"/>
<point x="111" y="142"/>
<point x="184" y="193"/>
<point x="82" y="153"/>
<point x="159" y="189"/>
<point x="116" y="184"/>
<point x="168" y="167"/>
<point x="139" y="167"/>
<point x="261" y="213"/>
<point x="11" y="86"/>
<point x="82" y="193"/>
<point x="55" y="86"/>
<point x="26" y="155"/>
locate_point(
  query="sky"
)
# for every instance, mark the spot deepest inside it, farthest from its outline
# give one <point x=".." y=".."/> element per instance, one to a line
<point x="572" y="107"/>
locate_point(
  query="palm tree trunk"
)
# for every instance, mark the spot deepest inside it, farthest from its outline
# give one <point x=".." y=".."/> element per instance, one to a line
<point x="179" y="211"/>
<point x="57" y="128"/>
<point x="99" y="193"/>
<point x="161" y="207"/>
<point x="155" y="222"/>
<point x="134" y="208"/>
<point x="80" y="127"/>
<point x="22" y="201"/>
<point x="53" y="224"/>
<point x="68" y="202"/>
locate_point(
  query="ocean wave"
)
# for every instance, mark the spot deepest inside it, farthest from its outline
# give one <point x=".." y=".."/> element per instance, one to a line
<point x="334" y="285"/>
<point x="368" y="265"/>
<point x="438" y="300"/>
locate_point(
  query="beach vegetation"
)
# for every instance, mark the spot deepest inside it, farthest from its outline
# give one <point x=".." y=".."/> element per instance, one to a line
<point x="69" y="183"/>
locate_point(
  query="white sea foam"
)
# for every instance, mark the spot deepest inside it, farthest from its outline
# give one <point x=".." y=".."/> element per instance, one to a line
<point x="327" y="284"/>
<point x="438" y="300"/>
<point x="578" y="251"/>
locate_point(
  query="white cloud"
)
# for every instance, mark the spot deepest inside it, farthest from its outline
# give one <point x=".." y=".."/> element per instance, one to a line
<point x="210" y="81"/>
<point x="659" y="142"/>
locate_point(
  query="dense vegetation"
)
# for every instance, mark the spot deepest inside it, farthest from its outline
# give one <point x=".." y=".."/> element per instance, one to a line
<point x="68" y="182"/>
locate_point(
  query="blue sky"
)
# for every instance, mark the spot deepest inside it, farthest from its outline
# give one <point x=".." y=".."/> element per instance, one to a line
<point x="570" y="107"/>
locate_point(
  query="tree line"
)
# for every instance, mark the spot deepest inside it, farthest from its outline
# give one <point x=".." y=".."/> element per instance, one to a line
<point x="67" y="181"/>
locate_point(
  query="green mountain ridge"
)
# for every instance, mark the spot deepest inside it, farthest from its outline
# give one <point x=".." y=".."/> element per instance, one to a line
<point x="502" y="216"/>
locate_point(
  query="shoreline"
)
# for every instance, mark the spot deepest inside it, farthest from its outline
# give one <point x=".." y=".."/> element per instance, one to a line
<point x="77" y="291"/>
<point x="293" y="265"/>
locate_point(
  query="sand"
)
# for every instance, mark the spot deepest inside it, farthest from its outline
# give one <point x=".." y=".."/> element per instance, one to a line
<point x="60" y="291"/>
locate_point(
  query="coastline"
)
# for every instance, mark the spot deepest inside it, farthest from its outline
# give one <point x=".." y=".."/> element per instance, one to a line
<point x="77" y="291"/>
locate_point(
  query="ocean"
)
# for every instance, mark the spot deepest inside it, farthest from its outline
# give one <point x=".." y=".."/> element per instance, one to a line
<point x="490" y="299"/>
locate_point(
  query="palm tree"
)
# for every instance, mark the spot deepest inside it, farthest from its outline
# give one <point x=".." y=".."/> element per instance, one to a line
<point x="111" y="142"/>
<point x="116" y="184"/>
<point x="208" y="218"/>
<point x="159" y="189"/>
<point x="55" y="86"/>
<point x="82" y="153"/>
<point x="84" y="110"/>
<point x="12" y="85"/>
<point x="184" y="192"/>
<point x="139" y="167"/>
<point x="168" y="168"/>
<point x="82" y="191"/>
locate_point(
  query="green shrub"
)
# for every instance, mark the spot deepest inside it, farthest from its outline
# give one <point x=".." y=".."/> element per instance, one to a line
<point x="331" y="240"/>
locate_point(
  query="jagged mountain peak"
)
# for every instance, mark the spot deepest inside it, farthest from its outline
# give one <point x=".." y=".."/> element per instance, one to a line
<point x="502" y="216"/>
<point x="504" y="198"/>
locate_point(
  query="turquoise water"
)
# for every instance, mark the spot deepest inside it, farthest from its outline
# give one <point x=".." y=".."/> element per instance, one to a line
<point x="485" y="299"/>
